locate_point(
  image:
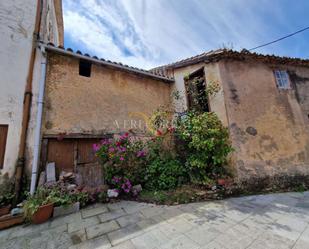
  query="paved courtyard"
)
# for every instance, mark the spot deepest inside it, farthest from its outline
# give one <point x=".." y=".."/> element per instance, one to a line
<point x="256" y="222"/>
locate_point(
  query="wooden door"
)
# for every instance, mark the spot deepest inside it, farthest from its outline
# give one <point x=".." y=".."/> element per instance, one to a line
<point x="3" y="137"/>
<point x="62" y="153"/>
<point x="68" y="153"/>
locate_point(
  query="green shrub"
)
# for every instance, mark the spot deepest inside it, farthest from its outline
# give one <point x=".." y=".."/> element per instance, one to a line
<point x="164" y="174"/>
<point x="206" y="146"/>
<point x="154" y="196"/>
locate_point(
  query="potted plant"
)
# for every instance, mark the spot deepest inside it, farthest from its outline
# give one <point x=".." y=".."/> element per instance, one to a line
<point x="65" y="202"/>
<point x="38" y="208"/>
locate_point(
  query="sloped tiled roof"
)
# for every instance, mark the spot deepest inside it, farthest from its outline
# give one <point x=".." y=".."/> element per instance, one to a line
<point x="191" y="60"/>
<point x="219" y="54"/>
<point x="95" y="59"/>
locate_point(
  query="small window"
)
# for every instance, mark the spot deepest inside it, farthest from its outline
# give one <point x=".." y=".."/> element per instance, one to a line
<point x="282" y="79"/>
<point x="84" y="68"/>
<point x="3" y="136"/>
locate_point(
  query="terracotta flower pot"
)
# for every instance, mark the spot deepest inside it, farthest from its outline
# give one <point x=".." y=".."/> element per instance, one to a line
<point x="5" y="210"/>
<point x="43" y="213"/>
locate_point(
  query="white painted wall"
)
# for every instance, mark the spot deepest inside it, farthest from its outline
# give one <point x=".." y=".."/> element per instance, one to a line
<point x="17" y="18"/>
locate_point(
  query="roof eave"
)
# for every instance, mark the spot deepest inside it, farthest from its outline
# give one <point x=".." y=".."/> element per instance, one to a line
<point x="106" y="63"/>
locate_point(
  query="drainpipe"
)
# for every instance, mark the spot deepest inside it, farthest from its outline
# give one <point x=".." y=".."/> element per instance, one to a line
<point x="38" y="124"/>
<point x="27" y="105"/>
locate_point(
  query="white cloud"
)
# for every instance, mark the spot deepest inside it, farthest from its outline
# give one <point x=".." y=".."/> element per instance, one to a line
<point x="106" y="31"/>
<point x="147" y="33"/>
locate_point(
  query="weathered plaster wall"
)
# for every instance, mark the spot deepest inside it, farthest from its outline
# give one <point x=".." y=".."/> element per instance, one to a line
<point x="180" y="104"/>
<point x="52" y="23"/>
<point x="51" y="30"/>
<point x="299" y="77"/>
<point x="217" y="101"/>
<point x="108" y="101"/>
<point x="17" y="19"/>
<point x="268" y="126"/>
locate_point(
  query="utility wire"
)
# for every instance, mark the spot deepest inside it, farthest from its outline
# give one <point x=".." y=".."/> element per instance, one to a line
<point x="282" y="38"/>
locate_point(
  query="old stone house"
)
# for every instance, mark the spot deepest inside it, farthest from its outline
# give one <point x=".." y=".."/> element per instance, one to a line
<point x="87" y="99"/>
<point x="263" y="100"/>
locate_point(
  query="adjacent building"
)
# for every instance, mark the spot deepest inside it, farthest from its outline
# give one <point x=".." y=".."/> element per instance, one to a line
<point x="263" y="100"/>
<point x="23" y="23"/>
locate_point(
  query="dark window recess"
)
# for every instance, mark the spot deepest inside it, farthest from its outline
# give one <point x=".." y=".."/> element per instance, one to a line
<point x="84" y="68"/>
<point x="196" y="91"/>
<point x="3" y="136"/>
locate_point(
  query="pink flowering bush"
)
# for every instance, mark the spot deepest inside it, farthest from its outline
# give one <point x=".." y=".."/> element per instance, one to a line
<point x="123" y="156"/>
<point x="122" y="184"/>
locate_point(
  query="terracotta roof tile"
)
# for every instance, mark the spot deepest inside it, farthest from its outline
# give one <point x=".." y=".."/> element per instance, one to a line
<point x="227" y="54"/>
<point x="52" y="47"/>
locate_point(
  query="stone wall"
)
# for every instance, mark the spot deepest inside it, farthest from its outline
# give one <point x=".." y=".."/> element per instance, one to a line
<point x="110" y="101"/>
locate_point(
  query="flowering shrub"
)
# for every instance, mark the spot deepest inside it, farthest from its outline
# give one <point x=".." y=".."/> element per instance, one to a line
<point x="123" y="156"/>
<point x="122" y="184"/>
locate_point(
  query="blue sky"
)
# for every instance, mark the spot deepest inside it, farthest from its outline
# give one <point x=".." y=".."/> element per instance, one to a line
<point x="149" y="33"/>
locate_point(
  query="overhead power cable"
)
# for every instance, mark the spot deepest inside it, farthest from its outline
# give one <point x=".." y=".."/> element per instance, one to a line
<point x="280" y="39"/>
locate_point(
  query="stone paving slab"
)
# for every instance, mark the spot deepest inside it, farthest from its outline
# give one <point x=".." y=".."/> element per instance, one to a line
<point x="94" y="211"/>
<point x="83" y="223"/>
<point x="101" y="229"/>
<point x="271" y="221"/>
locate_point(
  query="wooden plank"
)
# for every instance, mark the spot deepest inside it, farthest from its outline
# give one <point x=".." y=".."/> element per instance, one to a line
<point x="85" y="151"/>
<point x="62" y="153"/>
<point x="78" y="135"/>
<point x="75" y="155"/>
<point x="3" y="137"/>
<point x="91" y="174"/>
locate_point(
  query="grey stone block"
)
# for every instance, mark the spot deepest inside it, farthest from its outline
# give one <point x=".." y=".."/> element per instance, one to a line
<point x="65" y="210"/>
<point x="51" y="172"/>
